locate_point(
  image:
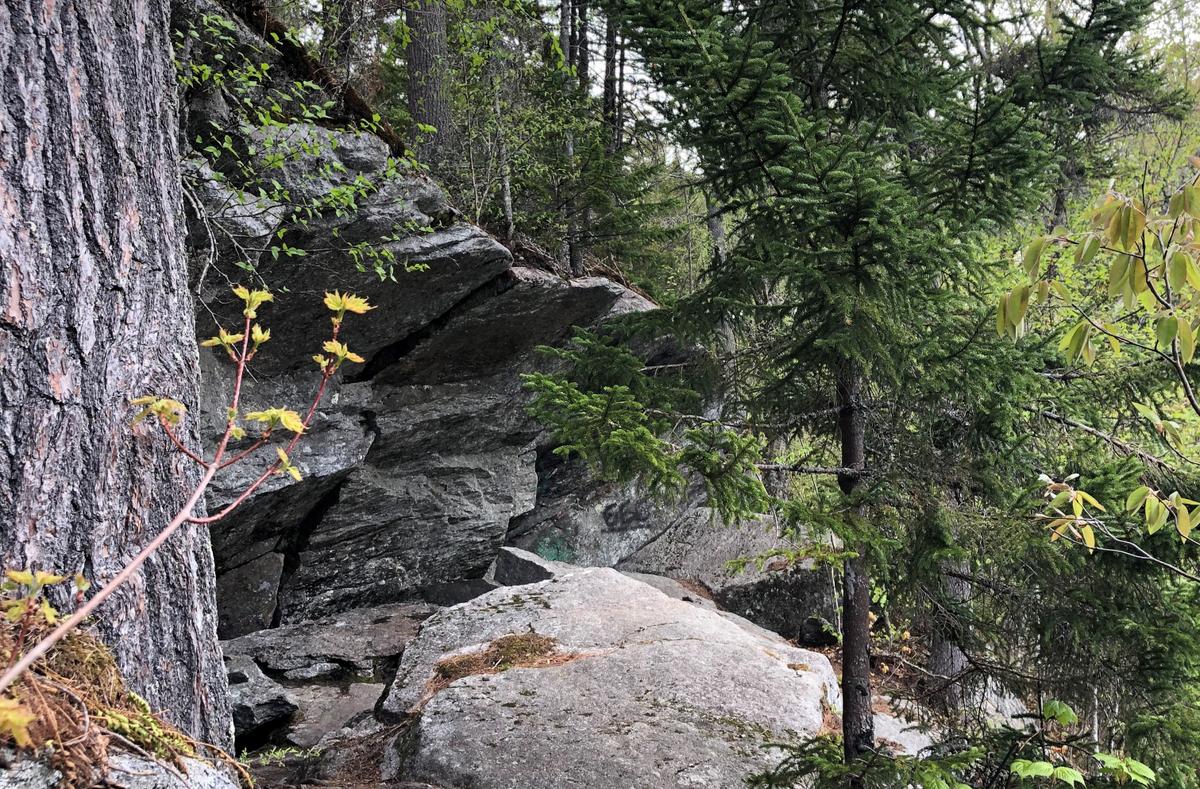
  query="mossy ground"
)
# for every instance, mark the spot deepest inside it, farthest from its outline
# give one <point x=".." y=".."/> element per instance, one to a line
<point x="82" y="709"/>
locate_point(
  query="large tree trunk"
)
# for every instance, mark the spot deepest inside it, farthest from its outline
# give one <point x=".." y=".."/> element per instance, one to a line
<point x="94" y="310"/>
<point x="858" y="723"/>
<point x="428" y="59"/>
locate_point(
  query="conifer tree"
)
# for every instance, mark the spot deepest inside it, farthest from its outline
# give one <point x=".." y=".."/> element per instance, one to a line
<point x="865" y="150"/>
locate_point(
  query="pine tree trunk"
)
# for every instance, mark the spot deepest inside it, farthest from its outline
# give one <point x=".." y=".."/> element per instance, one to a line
<point x="946" y="658"/>
<point x="571" y="254"/>
<point x="95" y="310"/>
<point x="609" y="101"/>
<point x="858" y="724"/>
<point x="428" y="58"/>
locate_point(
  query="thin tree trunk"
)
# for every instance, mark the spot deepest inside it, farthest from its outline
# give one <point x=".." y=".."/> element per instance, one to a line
<point x="571" y="254"/>
<point x="428" y="100"/>
<point x="726" y="338"/>
<point x="609" y="101"/>
<point x="506" y="200"/>
<point x="585" y="219"/>
<point x="946" y="658"/>
<point x="95" y="310"/>
<point x="582" y="52"/>
<point x="858" y="724"/>
<point x="619" y="129"/>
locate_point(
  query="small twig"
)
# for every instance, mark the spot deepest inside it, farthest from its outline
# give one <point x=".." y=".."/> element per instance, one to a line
<point x="166" y="426"/>
<point x="1124" y="446"/>
<point x="839" y="470"/>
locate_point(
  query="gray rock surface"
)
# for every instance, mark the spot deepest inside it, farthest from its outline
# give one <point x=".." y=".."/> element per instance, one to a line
<point x="650" y="692"/>
<point x="248" y="596"/>
<point x="582" y="521"/>
<point x="515" y="567"/>
<point x="358" y="642"/>
<point x="259" y="703"/>
<point x="126" y="770"/>
<point x="795" y="601"/>
<point x="326" y="708"/>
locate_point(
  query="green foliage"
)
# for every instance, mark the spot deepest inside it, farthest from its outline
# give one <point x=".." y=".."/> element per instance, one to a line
<point x="277" y="139"/>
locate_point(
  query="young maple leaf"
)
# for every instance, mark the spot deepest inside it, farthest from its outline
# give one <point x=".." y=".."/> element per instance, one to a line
<point x="14" y="722"/>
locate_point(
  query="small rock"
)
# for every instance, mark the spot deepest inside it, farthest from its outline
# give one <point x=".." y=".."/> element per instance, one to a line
<point x="356" y="641"/>
<point x="259" y="703"/>
<point x="515" y="567"/>
<point x="314" y="671"/>
<point x="324" y="709"/>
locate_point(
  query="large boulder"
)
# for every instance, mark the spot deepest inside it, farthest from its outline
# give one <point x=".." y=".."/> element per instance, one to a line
<point x="636" y="689"/>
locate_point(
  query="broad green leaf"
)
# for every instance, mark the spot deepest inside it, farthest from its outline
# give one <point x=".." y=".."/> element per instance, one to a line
<point x="1165" y="330"/>
<point x="1087" y="249"/>
<point x="1136" y="497"/>
<point x="1187" y="341"/>
<point x="1193" y="272"/>
<point x="1118" y="275"/>
<point x="1177" y="270"/>
<point x="1033" y="258"/>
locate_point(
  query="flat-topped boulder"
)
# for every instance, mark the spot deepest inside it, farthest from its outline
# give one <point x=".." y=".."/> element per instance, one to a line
<point x="617" y="685"/>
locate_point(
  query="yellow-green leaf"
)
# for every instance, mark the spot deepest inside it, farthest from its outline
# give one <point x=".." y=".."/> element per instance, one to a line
<point x="1118" y="275"/>
<point x="1136" y="497"/>
<point x="1165" y="330"/>
<point x="1177" y="270"/>
<point x="14" y="722"/>
<point x="1183" y="521"/>
<point x="1033" y="258"/>
<point x="1187" y="341"/>
<point x="23" y="577"/>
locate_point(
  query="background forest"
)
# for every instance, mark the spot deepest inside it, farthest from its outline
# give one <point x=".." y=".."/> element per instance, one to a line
<point x="930" y="274"/>
<point x="937" y="263"/>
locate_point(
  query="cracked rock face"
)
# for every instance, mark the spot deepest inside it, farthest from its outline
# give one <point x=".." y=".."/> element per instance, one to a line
<point x="648" y="698"/>
<point x="416" y="461"/>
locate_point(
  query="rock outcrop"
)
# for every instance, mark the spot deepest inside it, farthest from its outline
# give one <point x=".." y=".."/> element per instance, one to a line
<point x="127" y="770"/>
<point x="422" y="462"/>
<point x="631" y="688"/>
<point x="420" y="465"/>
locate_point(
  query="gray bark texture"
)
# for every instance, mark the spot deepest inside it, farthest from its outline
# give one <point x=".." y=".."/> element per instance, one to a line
<point x="858" y="719"/>
<point x="428" y="59"/>
<point x="94" y="310"/>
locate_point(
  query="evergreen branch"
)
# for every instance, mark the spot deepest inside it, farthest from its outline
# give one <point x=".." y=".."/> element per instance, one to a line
<point x="1108" y="438"/>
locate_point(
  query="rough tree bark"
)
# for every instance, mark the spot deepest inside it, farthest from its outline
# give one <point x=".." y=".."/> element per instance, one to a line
<point x="570" y="252"/>
<point x="858" y="721"/>
<point x="94" y="310"/>
<point x="428" y="59"/>
<point x="946" y="658"/>
<point x="609" y="101"/>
